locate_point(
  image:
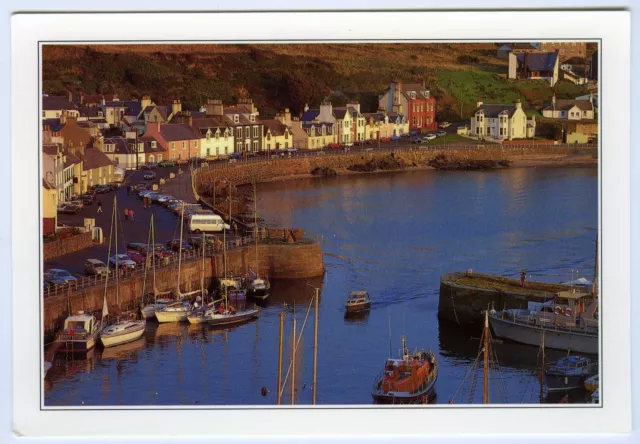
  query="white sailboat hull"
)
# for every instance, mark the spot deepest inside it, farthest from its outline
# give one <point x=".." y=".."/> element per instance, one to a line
<point x="171" y="316"/>
<point x="111" y="340"/>
<point x="149" y="312"/>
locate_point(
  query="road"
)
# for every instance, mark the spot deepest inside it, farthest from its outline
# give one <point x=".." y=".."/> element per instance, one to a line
<point x="167" y="225"/>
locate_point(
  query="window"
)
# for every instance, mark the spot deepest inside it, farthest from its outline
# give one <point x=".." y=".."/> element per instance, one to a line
<point x="183" y="145"/>
<point x="173" y="146"/>
<point x="238" y="133"/>
<point x="324" y="130"/>
<point x="239" y="147"/>
<point x="255" y="132"/>
<point x="252" y="118"/>
<point x="44" y="113"/>
<point x="195" y="143"/>
<point x="100" y="114"/>
<point x="236" y="118"/>
<point x="255" y="145"/>
<point x="286" y="145"/>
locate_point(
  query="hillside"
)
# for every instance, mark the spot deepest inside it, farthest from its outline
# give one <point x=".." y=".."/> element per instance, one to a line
<point x="278" y="76"/>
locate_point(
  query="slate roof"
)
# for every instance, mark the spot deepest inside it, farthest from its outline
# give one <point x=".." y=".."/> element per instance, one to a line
<point x="52" y="103"/>
<point x="71" y="160"/>
<point x="147" y="148"/>
<point x="133" y="108"/>
<point x="539" y="61"/>
<point x="492" y="110"/>
<point x="53" y="124"/>
<point x="277" y="128"/>
<point x="47" y="186"/>
<point x="378" y="117"/>
<point x="238" y="109"/>
<point x="89" y="111"/>
<point x="354" y="111"/>
<point x="172" y="132"/>
<point x="310" y="115"/>
<point x="406" y="87"/>
<point x="94" y="158"/>
<point x="395" y="116"/>
<point x="97" y="98"/>
<point x="210" y="122"/>
<point x="121" y="146"/>
<point x="115" y="104"/>
<point x="339" y="113"/>
<point x="567" y="104"/>
<point x="164" y="110"/>
<point x="50" y="148"/>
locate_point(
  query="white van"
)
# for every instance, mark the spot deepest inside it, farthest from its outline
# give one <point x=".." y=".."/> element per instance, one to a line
<point x="207" y="222"/>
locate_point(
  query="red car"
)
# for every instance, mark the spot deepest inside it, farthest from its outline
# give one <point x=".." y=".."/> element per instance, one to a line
<point x="136" y="256"/>
<point x="385" y="139"/>
<point x="334" y="146"/>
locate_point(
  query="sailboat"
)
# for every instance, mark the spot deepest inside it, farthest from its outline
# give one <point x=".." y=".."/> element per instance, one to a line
<point x="198" y="315"/>
<point x="257" y="287"/>
<point x="489" y="361"/>
<point x="177" y="311"/>
<point x="149" y="311"/>
<point x="128" y="330"/>
<point x="225" y="314"/>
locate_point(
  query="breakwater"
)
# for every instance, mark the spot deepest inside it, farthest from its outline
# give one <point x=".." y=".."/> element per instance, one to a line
<point x="276" y="259"/>
<point x="463" y="296"/>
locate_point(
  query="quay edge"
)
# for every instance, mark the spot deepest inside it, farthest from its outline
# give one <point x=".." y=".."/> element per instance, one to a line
<point x="464" y="295"/>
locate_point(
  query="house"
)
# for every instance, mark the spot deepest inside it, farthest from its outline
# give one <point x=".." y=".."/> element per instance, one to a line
<point x="570" y="109"/>
<point x="499" y="122"/>
<point x="53" y="106"/>
<point x="71" y="173"/>
<point x="49" y="208"/>
<point x="119" y="152"/>
<point x="53" y="167"/>
<point x="580" y="131"/>
<point x="152" y="151"/>
<point x="180" y="141"/>
<point x="534" y="66"/>
<point x="216" y="135"/>
<point x="243" y="119"/>
<point x="94" y="100"/>
<point x="412" y="100"/>
<point x="97" y="169"/>
<point x="376" y="125"/>
<point x="566" y="50"/>
<point x="277" y="135"/>
<point x="506" y="48"/>
<point x="314" y="135"/>
<point x="593" y="97"/>
<point x="76" y="136"/>
<point x="400" y="124"/>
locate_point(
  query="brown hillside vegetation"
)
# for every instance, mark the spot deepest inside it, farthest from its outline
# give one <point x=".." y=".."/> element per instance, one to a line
<point x="276" y="76"/>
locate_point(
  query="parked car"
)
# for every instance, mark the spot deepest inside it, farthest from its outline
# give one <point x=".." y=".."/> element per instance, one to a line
<point x="416" y="140"/>
<point x="175" y="245"/>
<point x="121" y="259"/>
<point x="137" y="246"/>
<point x="150" y="176"/>
<point x="292" y="150"/>
<point x="95" y="267"/>
<point x="136" y="256"/>
<point x="88" y="199"/>
<point x="445" y="125"/>
<point x="395" y="138"/>
<point x="142" y="186"/>
<point x="165" y="198"/>
<point x="59" y="276"/>
<point x="70" y="209"/>
<point x="429" y="136"/>
<point x="334" y="146"/>
<point x="441" y="133"/>
<point x="166" y="163"/>
<point x="77" y="202"/>
<point x="385" y="139"/>
<point x="112" y="186"/>
<point x="101" y="189"/>
<point x="196" y="242"/>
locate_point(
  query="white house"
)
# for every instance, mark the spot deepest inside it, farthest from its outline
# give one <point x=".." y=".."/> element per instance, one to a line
<point x="496" y="121"/>
<point x="570" y="109"/>
<point x="216" y="140"/>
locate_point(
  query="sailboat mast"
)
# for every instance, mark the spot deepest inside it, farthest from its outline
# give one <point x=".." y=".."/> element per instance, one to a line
<point x="202" y="274"/>
<point x="105" y="309"/>
<point x="255" y="223"/>
<point x="280" y="358"/>
<point x="153" y="258"/>
<point x="595" y="273"/>
<point x="118" y="265"/>
<point x="485" y="392"/>
<point x="542" y="368"/>
<point x="315" y="351"/>
<point x="293" y="362"/>
<point x="180" y="247"/>
<point x="146" y="264"/>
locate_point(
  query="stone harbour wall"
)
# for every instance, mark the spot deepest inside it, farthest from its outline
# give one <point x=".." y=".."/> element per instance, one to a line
<point x="71" y="244"/>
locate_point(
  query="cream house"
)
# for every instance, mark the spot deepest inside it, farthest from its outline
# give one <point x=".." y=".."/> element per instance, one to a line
<point x="277" y="135"/>
<point x="49" y="207"/>
<point x="497" y="121"/>
<point x="313" y="136"/>
<point x="570" y="109"/>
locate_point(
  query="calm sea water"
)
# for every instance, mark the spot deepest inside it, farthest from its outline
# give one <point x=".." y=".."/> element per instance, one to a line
<point x="393" y="234"/>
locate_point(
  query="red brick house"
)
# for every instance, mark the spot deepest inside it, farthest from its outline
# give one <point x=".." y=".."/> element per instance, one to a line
<point x="414" y="101"/>
<point x="180" y="141"/>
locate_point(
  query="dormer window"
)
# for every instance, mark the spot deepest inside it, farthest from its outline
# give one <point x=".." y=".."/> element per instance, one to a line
<point x="324" y="130"/>
<point x="412" y="94"/>
<point x="236" y="118"/>
<point x="100" y="114"/>
<point x="252" y="118"/>
<point x="153" y="144"/>
<point x="218" y="134"/>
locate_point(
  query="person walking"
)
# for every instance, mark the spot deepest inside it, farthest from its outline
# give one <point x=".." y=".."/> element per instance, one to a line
<point x="126" y="214"/>
<point x="131" y="214"/>
<point x="99" y="206"/>
<point x="523" y="277"/>
<point x="235" y="228"/>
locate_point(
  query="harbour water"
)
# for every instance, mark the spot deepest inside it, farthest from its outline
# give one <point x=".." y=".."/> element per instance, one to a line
<point x="392" y="234"/>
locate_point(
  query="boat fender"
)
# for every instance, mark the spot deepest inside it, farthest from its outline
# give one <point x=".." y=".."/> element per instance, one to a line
<point x="568" y="312"/>
<point x="558" y="310"/>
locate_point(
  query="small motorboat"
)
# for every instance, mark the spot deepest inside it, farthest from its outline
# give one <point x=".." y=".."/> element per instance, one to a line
<point x="200" y="314"/>
<point x="407" y="380"/>
<point x="149" y="311"/>
<point x="592" y="383"/>
<point x="175" y="312"/>
<point x="80" y="334"/>
<point x="569" y="373"/>
<point x="358" y="301"/>
<point x="231" y="316"/>
<point x="122" y="332"/>
<point x="258" y="288"/>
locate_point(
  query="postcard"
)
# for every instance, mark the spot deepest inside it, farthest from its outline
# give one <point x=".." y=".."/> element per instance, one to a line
<point x="303" y="217"/>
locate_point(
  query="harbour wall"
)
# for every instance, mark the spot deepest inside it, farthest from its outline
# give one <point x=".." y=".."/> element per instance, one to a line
<point x="299" y="260"/>
<point x="464" y="304"/>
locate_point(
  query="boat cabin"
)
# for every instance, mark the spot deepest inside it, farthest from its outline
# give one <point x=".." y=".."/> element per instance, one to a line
<point x="570" y="307"/>
<point x="81" y="323"/>
<point x="358" y="298"/>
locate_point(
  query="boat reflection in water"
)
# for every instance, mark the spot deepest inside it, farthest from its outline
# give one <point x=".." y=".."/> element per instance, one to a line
<point x="356" y="317"/>
<point x="123" y="351"/>
<point x="290" y="291"/>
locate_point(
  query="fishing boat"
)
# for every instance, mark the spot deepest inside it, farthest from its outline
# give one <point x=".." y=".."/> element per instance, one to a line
<point x="127" y="330"/>
<point x="592" y="383"/>
<point x="80" y="334"/>
<point x="197" y="315"/>
<point x="569" y="373"/>
<point x="410" y="378"/>
<point x="570" y="321"/>
<point x="229" y="316"/>
<point x="149" y="311"/>
<point x="257" y="287"/>
<point x="177" y="311"/>
<point x="358" y="301"/>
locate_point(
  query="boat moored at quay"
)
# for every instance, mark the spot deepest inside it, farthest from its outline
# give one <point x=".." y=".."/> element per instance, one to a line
<point x="569" y="373"/>
<point x="80" y="334"/>
<point x="570" y="322"/>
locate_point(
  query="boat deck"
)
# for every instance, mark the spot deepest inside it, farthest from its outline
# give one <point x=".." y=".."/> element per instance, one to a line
<point x="498" y="283"/>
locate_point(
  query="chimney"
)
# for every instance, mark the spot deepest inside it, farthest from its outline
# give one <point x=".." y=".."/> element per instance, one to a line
<point x="478" y="104"/>
<point x="591" y="97"/>
<point x="145" y="101"/>
<point x="518" y="104"/>
<point x="214" y="107"/>
<point x="70" y="97"/>
<point x="63" y="117"/>
<point x="102" y="101"/>
<point x="287" y="117"/>
<point x="176" y="107"/>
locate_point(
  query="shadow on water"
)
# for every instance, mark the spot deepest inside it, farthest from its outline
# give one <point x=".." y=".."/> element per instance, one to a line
<point x="290" y="291"/>
<point x="358" y="317"/>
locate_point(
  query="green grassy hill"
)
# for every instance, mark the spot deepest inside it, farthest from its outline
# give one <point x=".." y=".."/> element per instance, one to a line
<point x="279" y="76"/>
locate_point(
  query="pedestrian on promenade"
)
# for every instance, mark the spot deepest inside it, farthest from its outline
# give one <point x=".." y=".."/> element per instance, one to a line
<point x="235" y="229"/>
<point x="523" y="276"/>
<point x="131" y="214"/>
<point x="99" y="206"/>
<point x="126" y="214"/>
